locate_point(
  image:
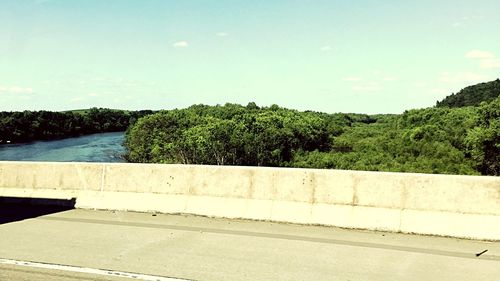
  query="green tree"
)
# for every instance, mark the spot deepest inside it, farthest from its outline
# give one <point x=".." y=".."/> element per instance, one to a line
<point x="483" y="141"/>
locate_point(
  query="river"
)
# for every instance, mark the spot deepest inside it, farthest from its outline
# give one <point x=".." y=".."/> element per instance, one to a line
<point x="105" y="147"/>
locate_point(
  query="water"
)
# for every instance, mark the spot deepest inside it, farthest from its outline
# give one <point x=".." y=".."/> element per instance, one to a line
<point x="106" y="147"/>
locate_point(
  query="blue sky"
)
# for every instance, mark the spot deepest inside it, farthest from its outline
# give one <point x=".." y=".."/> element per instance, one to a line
<point x="333" y="56"/>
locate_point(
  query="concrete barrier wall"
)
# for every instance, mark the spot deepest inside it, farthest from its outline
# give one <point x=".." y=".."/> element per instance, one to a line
<point x="459" y="206"/>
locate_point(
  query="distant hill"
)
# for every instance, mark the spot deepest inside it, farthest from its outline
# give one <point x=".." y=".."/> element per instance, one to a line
<point x="88" y="110"/>
<point x="472" y="95"/>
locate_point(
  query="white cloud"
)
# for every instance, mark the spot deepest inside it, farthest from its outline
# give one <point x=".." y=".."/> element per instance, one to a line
<point x="370" y="87"/>
<point x="16" y="90"/>
<point x="389" y="79"/>
<point x="326" y="48"/>
<point x="490" y="63"/>
<point x="21" y="90"/>
<point x="473" y="77"/>
<point x="180" y="44"/>
<point x="351" y="79"/>
<point x="222" y="34"/>
<point x="77" y="99"/>
<point x="486" y="59"/>
<point x="465" y="20"/>
<point x="478" y="54"/>
<point x="462" y="77"/>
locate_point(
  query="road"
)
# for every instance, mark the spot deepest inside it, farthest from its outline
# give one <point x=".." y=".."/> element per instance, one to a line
<point x="103" y="245"/>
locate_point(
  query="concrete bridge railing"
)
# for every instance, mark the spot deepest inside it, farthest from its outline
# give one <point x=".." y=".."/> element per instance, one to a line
<point x="458" y="206"/>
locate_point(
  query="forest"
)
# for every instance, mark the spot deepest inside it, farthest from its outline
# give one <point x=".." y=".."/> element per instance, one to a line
<point x="463" y="140"/>
<point x="16" y="127"/>
<point x="460" y="135"/>
<point x="472" y="95"/>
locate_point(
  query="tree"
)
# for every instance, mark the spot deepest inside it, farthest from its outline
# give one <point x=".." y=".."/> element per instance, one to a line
<point x="483" y="141"/>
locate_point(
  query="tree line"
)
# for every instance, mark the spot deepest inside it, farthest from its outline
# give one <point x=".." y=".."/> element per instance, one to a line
<point x="28" y="126"/>
<point x="448" y="139"/>
<point x="432" y="140"/>
<point x="472" y="95"/>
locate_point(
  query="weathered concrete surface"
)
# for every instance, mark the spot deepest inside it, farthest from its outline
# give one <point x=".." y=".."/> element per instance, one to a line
<point x="460" y="206"/>
<point x="199" y="248"/>
<point x="17" y="273"/>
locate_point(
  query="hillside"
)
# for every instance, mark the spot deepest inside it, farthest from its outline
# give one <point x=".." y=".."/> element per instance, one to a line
<point x="472" y="95"/>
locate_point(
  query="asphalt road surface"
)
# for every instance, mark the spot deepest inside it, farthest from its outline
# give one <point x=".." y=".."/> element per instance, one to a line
<point x="104" y="245"/>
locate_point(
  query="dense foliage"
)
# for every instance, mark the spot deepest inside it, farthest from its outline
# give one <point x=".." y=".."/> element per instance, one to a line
<point x="45" y="125"/>
<point x="483" y="141"/>
<point x="450" y="138"/>
<point x="233" y="135"/>
<point x="472" y="95"/>
<point x="432" y="140"/>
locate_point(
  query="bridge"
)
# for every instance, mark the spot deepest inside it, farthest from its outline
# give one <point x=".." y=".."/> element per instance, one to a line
<point x="247" y="223"/>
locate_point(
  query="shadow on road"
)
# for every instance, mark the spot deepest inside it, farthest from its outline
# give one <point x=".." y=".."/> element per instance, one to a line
<point x="16" y="209"/>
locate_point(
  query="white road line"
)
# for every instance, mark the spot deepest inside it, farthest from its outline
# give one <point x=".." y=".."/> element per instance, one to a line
<point x="87" y="270"/>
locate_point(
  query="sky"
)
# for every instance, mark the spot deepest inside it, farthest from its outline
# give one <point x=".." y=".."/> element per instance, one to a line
<point x="364" y="56"/>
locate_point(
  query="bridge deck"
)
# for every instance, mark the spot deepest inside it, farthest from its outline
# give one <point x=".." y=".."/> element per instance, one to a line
<point x="198" y="248"/>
